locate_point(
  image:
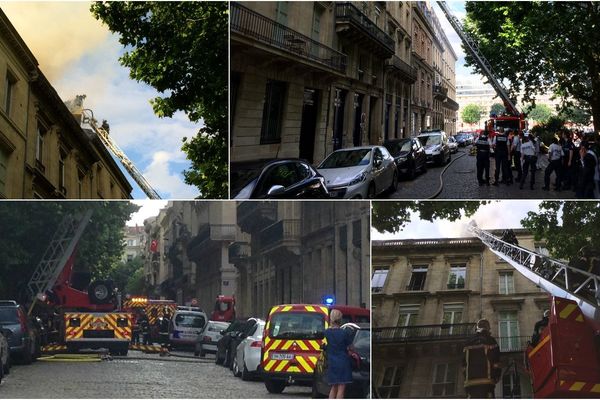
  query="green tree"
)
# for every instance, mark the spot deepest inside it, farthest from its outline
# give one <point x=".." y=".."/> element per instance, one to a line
<point x="576" y="115"/>
<point x="565" y="226"/>
<point x="180" y="49"/>
<point x="497" y="108"/>
<point x="539" y="113"/>
<point x="541" y="46"/>
<point x="26" y="229"/>
<point x="123" y="273"/>
<point x="472" y="113"/>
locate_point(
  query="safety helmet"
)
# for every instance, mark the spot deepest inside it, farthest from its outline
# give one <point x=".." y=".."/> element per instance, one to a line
<point x="546" y="313"/>
<point x="483" y="325"/>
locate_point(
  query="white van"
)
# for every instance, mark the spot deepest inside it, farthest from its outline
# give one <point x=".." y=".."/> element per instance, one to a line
<point x="186" y="325"/>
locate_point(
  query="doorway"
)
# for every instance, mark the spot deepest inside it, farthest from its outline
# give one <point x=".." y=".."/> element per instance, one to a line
<point x="309" y="124"/>
<point x="358" y="119"/>
<point x="339" y="103"/>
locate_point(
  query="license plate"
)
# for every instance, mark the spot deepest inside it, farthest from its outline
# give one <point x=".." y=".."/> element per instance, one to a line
<point x="282" y="356"/>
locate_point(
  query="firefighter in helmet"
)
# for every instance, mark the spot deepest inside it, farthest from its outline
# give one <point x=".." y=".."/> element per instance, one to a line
<point x="481" y="363"/>
<point x="539" y="327"/>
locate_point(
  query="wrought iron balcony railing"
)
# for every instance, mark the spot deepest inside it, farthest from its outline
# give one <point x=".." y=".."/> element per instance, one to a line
<point x="397" y="63"/>
<point x="513" y="343"/>
<point x="251" y="24"/>
<point x="439" y="90"/>
<point x="280" y="231"/>
<point x="423" y="333"/>
<point x="348" y="12"/>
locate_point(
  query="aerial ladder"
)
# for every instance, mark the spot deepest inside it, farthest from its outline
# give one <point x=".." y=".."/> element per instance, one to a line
<point x="472" y="49"/>
<point x="565" y="362"/>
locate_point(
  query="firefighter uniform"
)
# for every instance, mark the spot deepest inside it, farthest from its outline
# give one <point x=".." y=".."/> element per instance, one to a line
<point x="481" y="363"/>
<point x="483" y="159"/>
<point x="500" y="144"/>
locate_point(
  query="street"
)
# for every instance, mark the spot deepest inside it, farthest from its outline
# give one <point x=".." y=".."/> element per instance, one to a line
<point x="459" y="181"/>
<point x="138" y="375"/>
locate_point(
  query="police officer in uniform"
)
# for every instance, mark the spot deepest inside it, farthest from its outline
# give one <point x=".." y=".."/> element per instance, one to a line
<point x="483" y="158"/>
<point x="481" y="363"/>
<point x="501" y="151"/>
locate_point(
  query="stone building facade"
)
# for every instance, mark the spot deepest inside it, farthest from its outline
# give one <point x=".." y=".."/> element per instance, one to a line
<point x="264" y="253"/>
<point x="44" y="152"/>
<point x="308" y="78"/>
<point x="134" y="241"/>
<point x="427" y="296"/>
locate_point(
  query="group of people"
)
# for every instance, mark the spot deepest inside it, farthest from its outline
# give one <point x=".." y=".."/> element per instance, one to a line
<point x="571" y="158"/>
<point x="144" y="332"/>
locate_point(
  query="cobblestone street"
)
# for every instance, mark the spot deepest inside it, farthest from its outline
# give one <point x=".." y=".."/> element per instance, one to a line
<point x="460" y="182"/>
<point x="137" y="376"/>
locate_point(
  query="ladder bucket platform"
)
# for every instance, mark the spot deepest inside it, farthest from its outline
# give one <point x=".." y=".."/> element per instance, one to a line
<point x="565" y="362"/>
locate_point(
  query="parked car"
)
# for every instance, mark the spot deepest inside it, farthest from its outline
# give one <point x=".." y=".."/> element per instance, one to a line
<point x="464" y="138"/>
<point x="247" y="356"/>
<point x="4" y="352"/>
<point x="452" y="144"/>
<point x="229" y="336"/>
<point x="244" y="332"/>
<point x="208" y="338"/>
<point x="285" y="179"/>
<point x="360" y="353"/>
<point x="409" y="156"/>
<point x="359" y="172"/>
<point x="24" y="342"/>
<point x="186" y="325"/>
<point x="436" y="146"/>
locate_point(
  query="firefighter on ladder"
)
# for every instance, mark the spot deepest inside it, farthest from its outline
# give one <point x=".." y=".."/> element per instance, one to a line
<point x="481" y="363"/>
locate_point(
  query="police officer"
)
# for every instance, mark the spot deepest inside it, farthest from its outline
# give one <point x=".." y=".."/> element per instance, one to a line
<point x="483" y="158"/>
<point x="481" y="363"/>
<point x="501" y="151"/>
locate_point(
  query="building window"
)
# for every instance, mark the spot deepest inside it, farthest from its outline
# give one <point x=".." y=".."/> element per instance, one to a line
<point x="390" y="384"/>
<point x="9" y="85"/>
<point x="129" y="257"/>
<point x="508" y="325"/>
<point x="39" y="143"/>
<point x="272" y="112"/>
<point x="408" y="316"/>
<point x="444" y="380"/>
<point x="506" y="282"/>
<point x="130" y="242"/>
<point x="417" y="279"/>
<point x="453" y="313"/>
<point x="456" y="279"/>
<point x="511" y="384"/>
<point x="3" y="173"/>
<point x="378" y="280"/>
<point x="61" y="171"/>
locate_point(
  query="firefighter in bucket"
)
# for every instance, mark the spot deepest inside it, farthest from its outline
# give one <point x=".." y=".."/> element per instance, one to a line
<point x="481" y="363"/>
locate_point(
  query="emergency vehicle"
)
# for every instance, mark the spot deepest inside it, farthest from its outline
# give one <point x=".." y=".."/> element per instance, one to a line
<point x="224" y="309"/>
<point x="292" y="342"/>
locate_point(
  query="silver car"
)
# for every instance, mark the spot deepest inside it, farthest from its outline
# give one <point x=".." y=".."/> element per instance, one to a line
<point x="247" y="355"/>
<point x="359" y="172"/>
<point x="436" y="146"/>
<point x="208" y="338"/>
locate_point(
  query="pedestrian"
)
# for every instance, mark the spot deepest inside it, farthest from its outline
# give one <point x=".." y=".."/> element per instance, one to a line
<point x="568" y="151"/>
<point x="539" y="327"/>
<point x="481" y="363"/>
<point x="501" y="152"/>
<point x="164" y="323"/>
<point x="586" y="180"/>
<point x="339" y="363"/>
<point x="554" y="165"/>
<point x="135" y="332"/>
<point x="529" y="159"/>
<point x="483" y="158"/>
<point x="516" y="154"/>
<point x="145" y="328"/>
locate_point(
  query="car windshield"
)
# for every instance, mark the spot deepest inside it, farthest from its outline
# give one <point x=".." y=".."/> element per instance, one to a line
<point x="297" y="325"/>
<point x="430" y="140"/>
<point x="396" y="148"/>
<point x="8" y="316"/>
<point x="362" y="341"/>
<point x="347" y="158"/>
<point x="190" y="320"/>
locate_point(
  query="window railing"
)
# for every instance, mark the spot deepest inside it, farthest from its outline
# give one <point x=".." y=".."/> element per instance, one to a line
<point x="509" y="344"/>
<point x="423" y="332"/>
<point x="349" y="12"/>
<point x="402" y="66"/>
<point x="280" y="231"/>
<point x="270" y="32"/>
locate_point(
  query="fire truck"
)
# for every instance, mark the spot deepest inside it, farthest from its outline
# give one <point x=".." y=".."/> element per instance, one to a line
<point x="224" y="309"/>
<point x="511" y="118"/>
<point x="565" y="362"/>
<point x="91" y="317"/>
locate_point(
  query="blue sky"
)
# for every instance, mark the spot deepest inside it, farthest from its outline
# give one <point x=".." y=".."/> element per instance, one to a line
<point x="80" y="56"/>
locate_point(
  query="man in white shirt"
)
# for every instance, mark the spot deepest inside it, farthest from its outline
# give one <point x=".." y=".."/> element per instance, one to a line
<point x="516" y="154"/>
<point x="529" y="158"/>
<point x="554" y="165"/>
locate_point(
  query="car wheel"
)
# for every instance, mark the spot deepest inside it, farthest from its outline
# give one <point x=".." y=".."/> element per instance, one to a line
<point x="274" y="386"/>
<point x="394" y="185"/>
<point x="371" y="193"/>
<point x="245" y="373"/>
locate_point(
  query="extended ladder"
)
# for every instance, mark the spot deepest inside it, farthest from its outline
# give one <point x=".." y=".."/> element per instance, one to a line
<point x="57" y="253"/>
<point x="553" y="276"/>
<point x="473" y="49"/>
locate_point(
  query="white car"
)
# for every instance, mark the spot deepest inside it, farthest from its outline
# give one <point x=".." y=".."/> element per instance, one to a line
<point x="247" y="356"/>
<point x="359" y="172"/>
<point x="208" y="338"/>
<point x="436" y="146"/>
<point x="186" y="325"/>
<point x="452" y="144"/>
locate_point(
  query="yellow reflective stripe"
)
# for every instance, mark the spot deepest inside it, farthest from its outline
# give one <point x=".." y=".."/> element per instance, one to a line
<point x="567" y="310"/>
<point x="539" y="346"/>
<point x="314" y="344"/>
<point x="595" y="388"/>
<point x="293" y="369"/>
<point x="310" y="308"/>
<point x="302" y="345"/>
<point x="286" y="308"/>
<point x="281" y="365"/>
<point x="304" y="364"/>
<point x="313" y="359"/>
<point x="269" y="365"/>
<point x="286" y="345"/>
<point x="275" y="344"/>
<point x="266" y="355"/>
<point x="324" y="310"/>
<point x="267" y="341"/>
<point x="579" y="318"/>
<point x="577" y="386"/>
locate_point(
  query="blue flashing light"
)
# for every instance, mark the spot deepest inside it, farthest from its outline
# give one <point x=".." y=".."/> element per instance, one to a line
<point x="329" y="300"/>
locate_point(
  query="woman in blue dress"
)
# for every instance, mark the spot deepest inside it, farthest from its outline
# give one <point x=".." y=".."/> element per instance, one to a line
<point x="339" y="363"/>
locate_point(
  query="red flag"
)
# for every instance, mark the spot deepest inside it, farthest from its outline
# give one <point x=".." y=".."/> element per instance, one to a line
<point x="153" y="246"/>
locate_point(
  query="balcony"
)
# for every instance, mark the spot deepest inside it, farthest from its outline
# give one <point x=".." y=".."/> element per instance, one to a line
<point x="239" y="251"/>
<point x="440" y="92"/>
<point x="395" y="64"/>
<point x="357" y="27"/>
<point x="282" y="239"/>
<point x="423" y="333"/>
<point x="254" y="216"/>
<point x="512" y="344"/>
<point x="450" y="104"/>
<point x="209" y="236"/>
<point x="258" y="27"/>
